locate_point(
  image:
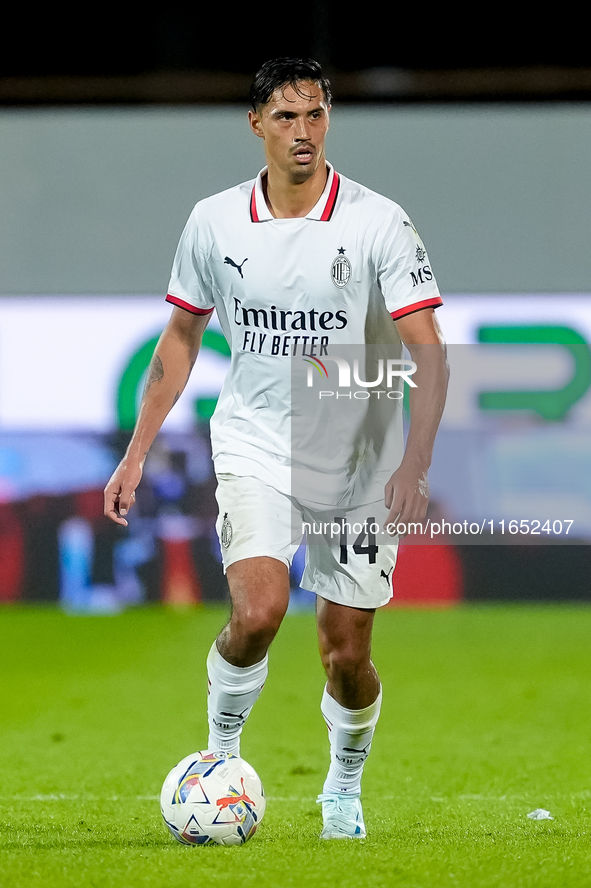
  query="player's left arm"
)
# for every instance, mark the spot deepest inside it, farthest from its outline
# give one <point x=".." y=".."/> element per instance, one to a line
<point x="407" y="491"/>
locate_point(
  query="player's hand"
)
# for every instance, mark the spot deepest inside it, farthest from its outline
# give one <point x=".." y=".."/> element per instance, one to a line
<point x="406" y="496"/>
<point x="120" y="491"/>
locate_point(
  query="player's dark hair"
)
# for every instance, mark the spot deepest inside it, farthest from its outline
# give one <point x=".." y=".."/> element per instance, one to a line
<point x="279" y="73"/>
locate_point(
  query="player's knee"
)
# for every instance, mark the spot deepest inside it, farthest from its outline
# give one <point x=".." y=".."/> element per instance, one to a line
<point x="259" y="624"/>
<point x="345" y="662"/>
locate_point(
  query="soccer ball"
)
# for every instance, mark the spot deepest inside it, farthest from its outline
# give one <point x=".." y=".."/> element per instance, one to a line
<point x="212" y="798"/>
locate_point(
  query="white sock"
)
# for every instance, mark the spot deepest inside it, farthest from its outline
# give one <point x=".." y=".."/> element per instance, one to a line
<point x="232" y="692"/>
<point x="350" y="733"/>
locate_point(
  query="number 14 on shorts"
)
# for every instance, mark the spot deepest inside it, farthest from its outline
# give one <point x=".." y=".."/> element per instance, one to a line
<point x="365" y="532"/>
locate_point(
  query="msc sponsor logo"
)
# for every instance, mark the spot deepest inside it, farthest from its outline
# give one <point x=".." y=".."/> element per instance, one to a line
<point x="422" y="274"/>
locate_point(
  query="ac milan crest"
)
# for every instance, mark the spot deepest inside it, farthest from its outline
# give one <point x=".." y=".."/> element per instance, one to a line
<point x="227" y="532"/>
<point x="341" y="269"/>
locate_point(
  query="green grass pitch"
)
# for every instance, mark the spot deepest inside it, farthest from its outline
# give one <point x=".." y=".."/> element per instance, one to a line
<point x="486" y="717"/>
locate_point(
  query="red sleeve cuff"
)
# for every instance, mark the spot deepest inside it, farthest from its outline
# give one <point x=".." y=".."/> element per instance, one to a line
<point x="434" y="302"/>
<point x="187" y="305"/>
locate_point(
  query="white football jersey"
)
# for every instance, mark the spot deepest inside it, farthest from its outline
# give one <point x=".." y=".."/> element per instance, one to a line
<point x="293" y="288"/>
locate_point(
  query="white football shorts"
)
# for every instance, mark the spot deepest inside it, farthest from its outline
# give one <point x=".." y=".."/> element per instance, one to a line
<point x="343" y="562"/>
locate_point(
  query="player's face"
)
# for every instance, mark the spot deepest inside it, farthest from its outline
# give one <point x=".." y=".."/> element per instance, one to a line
<point x="294" y="126"/>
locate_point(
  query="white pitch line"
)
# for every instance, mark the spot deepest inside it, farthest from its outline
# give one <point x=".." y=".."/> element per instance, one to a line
<point x="63" y="797"/>
<point x="584" y="794"/>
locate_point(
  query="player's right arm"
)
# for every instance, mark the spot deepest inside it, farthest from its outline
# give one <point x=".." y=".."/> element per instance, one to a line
<point x="168" y="375"/>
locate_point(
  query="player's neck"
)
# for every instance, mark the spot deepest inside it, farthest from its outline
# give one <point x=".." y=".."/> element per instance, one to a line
<point x="287" y="199"/>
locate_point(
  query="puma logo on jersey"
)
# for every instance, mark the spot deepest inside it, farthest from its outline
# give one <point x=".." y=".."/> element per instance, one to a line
<point x="386" y="576"/>
<point x="228" y="261"/>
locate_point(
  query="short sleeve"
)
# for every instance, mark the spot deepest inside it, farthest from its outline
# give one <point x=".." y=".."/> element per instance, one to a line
<point x="189" y="287"/>
<point x="403" y="268"/>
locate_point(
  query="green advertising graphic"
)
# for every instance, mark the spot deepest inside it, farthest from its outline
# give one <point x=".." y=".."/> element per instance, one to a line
<point x="552" y="404"/>
<point x="128" y="393"/>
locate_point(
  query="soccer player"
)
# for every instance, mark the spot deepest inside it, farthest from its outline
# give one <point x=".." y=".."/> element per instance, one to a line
<point x="296" y="262"/>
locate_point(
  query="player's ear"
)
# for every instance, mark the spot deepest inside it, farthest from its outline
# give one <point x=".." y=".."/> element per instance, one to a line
<point x="254" y="118"/>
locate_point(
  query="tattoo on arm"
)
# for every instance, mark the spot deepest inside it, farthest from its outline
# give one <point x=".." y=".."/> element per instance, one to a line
<point x="155" y="372"/>
<point x="191" y="368"/>
<point x="178" y="394"/>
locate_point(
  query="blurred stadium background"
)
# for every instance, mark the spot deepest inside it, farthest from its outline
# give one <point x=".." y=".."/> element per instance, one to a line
<point x="112" y="129"/>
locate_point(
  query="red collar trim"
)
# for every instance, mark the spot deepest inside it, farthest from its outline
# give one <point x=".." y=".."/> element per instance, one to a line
<point x="253" y="205"/>
<point x="332" y="199"/>
<point x="333" y="185"/>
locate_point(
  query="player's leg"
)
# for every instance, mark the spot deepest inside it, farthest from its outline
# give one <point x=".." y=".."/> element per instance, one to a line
<point x="237" y="662"/>
<point x="351" y="707"/>
<point x="344" y="637"/>
<point x="259" y="590"/>
<point x="255" y="533"/>
<point x="351" y="575"/>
